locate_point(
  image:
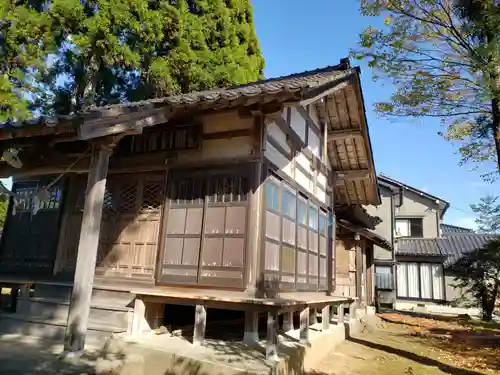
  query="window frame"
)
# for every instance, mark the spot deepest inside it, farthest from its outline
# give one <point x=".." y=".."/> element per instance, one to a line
<point x="408" y="221"/>
<point x="391" y="277"/>
<point x="419" y="268"/>
<point x="303" y="205"/>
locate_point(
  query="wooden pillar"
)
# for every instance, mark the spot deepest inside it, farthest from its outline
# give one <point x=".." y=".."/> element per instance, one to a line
<point x="370" y="277"/>
<point x="200" y="323"/>
<point x="23" y="302"/>
<point x="340" y="314"/>
<point x="330" y="247"/>
<point x="255" y="229"/>
<point x="272" y="339"/>
<point x="359" y="268"/>
<point x="251" y="335"/>
<point x="288" y="321"/>
<point x="304" y="326"/>
<point x="365" y="278"/>
<point x="325" y="318"/>
<point x="81" y="295"/>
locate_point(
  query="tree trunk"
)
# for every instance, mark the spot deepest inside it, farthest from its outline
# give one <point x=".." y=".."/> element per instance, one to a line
<point x="496" y="127"/>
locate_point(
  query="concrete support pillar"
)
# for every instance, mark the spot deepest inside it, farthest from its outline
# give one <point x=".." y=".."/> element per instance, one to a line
<point x="251" y="335"/>
<point x="139" y="318"/>
<point x="272" y="339"/>
<point x="288" y="321"/>
<point x="200" y="323"/>
<point x="325" y="318"/>
<point x="340" y="314"/>
<point x="304" y="326"/>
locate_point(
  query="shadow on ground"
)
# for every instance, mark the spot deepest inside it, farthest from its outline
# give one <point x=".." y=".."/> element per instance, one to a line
<point x="23" y="355"/>
<point x="447" y="369"/>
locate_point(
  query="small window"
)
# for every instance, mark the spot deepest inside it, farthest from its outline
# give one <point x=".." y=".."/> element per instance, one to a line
<point x="383" y="277"/>
<point x="409" y="227"/>
<point x="302" y="213"/>
<point x="272" y="197"/>
<point x="313" y="217"/>
<point x="289" y="204"/>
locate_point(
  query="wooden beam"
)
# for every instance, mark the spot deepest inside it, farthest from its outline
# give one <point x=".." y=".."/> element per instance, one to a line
<point x="351" y="175"/>
<point x="327" y="89"/>
<point x="253" y="245"/>
<point x="341" y="135"/>
<point x="123" y="124"/>
<point x="81" y="295"/>
<point x="359" y="269"/>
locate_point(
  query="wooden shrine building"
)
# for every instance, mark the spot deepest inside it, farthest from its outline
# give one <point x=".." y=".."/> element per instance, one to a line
<point x="221" y="198"/>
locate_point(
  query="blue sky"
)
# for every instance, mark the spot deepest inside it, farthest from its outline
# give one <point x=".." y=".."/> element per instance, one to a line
<point x="297" y="35"/>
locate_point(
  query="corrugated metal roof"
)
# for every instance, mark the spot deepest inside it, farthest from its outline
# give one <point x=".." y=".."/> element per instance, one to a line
<point x="418" y="247"/>
<point x="448" y="228"/>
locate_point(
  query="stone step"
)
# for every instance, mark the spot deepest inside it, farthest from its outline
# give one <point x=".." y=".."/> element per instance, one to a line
<point x="52" y="328"/>
<point x="63" y="292"/>
<point x="112" y="313"/>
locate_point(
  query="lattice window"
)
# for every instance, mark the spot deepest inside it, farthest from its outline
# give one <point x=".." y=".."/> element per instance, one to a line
<point x="152" y="196"/>
<point x="182" y="137"/>
<point x="127" y="197"/>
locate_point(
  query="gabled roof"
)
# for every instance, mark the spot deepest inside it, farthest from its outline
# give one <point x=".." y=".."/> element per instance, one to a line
<point x="335" y="91"/>
<point x="394" y="185"/>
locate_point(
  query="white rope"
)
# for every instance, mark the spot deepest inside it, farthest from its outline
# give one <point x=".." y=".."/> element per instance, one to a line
<point x="41" y="195"/>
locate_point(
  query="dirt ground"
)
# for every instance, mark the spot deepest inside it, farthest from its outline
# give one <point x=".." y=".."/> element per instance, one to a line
<point x="417" y="346"/>
<point x="404" y="345"/>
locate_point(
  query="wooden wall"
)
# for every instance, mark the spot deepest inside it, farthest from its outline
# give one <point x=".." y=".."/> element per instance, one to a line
<point x="132" y="219"/>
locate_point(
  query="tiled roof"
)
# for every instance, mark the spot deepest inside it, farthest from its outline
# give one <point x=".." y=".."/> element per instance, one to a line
<point x="448" y="228"/>
<point x="418" y="247"/>
<point x="457" y="245"/>
<point x="451" y="247"/>
<point x="299" y="83"/>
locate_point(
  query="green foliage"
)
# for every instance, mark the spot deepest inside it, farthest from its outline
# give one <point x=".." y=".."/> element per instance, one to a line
<point x="3" y="211"/>
<point x="443" y="58"/>
<point x="478" y="275"/>
<point x="488" y="211"/>
<point x="108" y="51"/>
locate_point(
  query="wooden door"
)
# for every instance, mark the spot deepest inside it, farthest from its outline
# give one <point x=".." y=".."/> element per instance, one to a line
<point x="205" y="228"/>
<point x="29" y="240"/>
<point x="131" y="224"/>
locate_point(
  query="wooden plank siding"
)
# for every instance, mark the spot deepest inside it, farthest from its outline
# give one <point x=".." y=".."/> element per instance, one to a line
<point x="294" y="250"/>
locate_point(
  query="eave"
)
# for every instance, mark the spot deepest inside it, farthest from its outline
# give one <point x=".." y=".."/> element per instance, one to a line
<point x="349" y="146"/>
